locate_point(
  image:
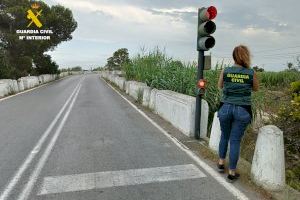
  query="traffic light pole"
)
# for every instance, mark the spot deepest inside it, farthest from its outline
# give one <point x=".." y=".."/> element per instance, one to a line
<point x="204" y="42"/>
<point x="199" y="95"/>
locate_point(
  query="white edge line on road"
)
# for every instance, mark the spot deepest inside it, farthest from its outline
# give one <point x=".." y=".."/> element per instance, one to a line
<point x="29" y="90"/>
<point x="233" y="190"/>
<point x="39" y="166"/>
<point x="13" y="181"/>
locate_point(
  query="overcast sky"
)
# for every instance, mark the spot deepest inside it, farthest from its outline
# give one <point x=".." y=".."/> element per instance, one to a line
<point x="270" y="28"/>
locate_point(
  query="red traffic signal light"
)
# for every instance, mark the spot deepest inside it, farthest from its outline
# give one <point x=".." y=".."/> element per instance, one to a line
<point x="212" y="12"/>
<point x="201" y="84"/>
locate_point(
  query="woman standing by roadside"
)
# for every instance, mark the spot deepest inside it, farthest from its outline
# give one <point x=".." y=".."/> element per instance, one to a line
<point x="237" y="83"/>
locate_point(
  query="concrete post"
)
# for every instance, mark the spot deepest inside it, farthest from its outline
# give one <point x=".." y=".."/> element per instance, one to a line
<point x="3" y="89"/>
<point x="20" y="85"/>
<point x="146" y="96"/>
<point x="152" y="102"/>
<point x="268" y="165"/>
<point x="215" y="134"/>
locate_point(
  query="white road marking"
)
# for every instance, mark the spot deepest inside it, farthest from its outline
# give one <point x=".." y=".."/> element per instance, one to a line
<point x="98" y="180"/>
<point x="233" y="190"/>
<point x="15" y="179"/>
<point x="39" y="166"/>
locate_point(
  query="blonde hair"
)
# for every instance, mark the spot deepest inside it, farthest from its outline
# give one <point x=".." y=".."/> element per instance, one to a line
<point x="241" y="56"/>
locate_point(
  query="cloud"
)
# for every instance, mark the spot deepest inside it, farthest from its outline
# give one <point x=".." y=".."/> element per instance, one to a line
<point x="106" y="25"/>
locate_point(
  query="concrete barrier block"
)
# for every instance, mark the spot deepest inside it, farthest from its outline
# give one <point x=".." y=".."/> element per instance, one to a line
<point x="146" y="96"/>
<point x="127" y="86"/>
<point x="34" y="81"/>
<point x="215" y="135"/>
<point x="179" y="110"/>
<point x="115" y="79"/>
<point x="117" y="72"/>
<point x="8" y="84"/>
<point x="63" y="74"/>
<point x="3" y="89"/>
<point x="111" y="78"/>
<point x="204" y="118"/>
<point x="20" y="85"/>
<point x="268" y="165"/>
<point x="175" y="108"/>
<point x="15" y="86"/>
<point x="136" y="89"/>
<point x="104" y="74"/>
<point x="30" y="82"/>
<point x="152" y="101"/>
<point x="25" y="83"/>
<point x="120" y="82"/>
<point x="41" y="79"/>
<point x="11" y="86"/>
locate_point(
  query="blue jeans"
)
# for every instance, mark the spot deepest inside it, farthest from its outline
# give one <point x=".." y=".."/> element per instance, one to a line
<point x="234" y="120"/>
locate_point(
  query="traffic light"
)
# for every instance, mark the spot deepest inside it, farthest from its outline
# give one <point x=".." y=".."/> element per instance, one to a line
<point x="205" y="28"/>
<point x="201" y="86"/>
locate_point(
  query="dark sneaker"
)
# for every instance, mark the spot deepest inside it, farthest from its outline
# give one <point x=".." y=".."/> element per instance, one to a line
<point x="232" y="178"/>
<point x="221" y="168"/>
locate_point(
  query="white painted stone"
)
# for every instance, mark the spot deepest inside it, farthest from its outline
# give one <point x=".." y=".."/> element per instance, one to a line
<point x="116" y="72"/>
<point x="11" y="86"/>
<point x="104" y="74"/>
<point x="152" y="102"/>
<point x="15" y="86"/>
<point x="179" y="110"/>
<point x="111" y="78"/>
<point x="45" y="78"/>
<point x="41" y="79"/>
<point x="63" y="74"/>
<point x="3" y="89"/>
<point x="127" y="86"/>
<point x="20" y="85"/>
<point x="215" y="134"/>
<point x="8" y="85"/>
<point x="146" y="96"/>
<point x="30" y="82"/>
<point x="136" y="89"/>
<point x="120" y="82"/>
<point x="26" y="83"/>
<point x="268" y="165"/>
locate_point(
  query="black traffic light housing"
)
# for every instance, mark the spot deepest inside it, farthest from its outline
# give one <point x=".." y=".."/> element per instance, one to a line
<point x="206" y="27"/>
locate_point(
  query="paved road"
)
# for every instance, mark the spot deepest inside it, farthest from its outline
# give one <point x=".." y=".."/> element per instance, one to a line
<point x="78" y="139"/>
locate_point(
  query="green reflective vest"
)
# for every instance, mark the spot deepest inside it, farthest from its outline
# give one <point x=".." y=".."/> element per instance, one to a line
<point x="238" y="82"/>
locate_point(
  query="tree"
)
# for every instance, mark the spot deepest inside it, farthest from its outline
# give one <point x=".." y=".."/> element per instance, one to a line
<point x="44" y="64"/>
<point x="294" y="66"/>
<point x="258" y="69"/>
<point x="13" y="17"/>
<point x="119" y="58"/>
<point x="77" y="69"/>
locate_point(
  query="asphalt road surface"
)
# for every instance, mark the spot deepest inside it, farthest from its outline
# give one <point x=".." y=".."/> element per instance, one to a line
<point x="76" y="138"/>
